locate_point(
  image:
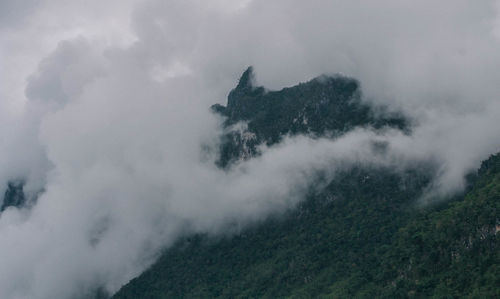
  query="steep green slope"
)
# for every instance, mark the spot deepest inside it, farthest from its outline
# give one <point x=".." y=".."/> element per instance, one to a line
<point x="332" y="235"/>
<point x="366" y="241"/>
<point x="454" y="251"/>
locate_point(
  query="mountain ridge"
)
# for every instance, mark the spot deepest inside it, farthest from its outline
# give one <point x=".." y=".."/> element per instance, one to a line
<point x="360" y="236"/>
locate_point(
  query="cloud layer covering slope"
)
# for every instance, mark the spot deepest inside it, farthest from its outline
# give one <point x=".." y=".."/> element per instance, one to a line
<point x="105" y="107"/>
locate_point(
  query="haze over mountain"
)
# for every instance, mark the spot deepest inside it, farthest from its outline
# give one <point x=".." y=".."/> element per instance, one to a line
<point x="106" y="120"/>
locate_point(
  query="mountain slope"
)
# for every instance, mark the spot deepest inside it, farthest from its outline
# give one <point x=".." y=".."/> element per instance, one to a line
<point x="366" y="242"/>
<point x="454" y="251"/>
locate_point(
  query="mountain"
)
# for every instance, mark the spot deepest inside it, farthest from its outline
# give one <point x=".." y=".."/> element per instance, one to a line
<point x="14" y="195"/>
<point x="360" y="236"/>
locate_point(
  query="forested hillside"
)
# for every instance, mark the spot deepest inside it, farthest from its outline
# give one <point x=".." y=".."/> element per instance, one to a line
<point x="366" y="241"/>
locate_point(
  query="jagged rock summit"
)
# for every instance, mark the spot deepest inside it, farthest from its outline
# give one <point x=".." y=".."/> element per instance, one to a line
<point x="325" y="105"/>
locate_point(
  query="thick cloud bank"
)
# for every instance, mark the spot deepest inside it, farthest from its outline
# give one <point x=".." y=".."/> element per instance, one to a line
<point x="105" y="107"/>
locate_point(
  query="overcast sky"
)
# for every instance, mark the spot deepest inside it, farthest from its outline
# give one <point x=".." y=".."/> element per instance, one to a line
<point x="104" y="105"/>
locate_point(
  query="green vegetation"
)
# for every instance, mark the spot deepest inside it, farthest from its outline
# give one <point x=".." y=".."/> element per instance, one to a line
<point x="362" y="237"/>
<point x="454" y="251"/>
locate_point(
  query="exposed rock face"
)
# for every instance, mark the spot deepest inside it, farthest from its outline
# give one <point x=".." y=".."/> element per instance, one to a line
<point x="323" y="106"/>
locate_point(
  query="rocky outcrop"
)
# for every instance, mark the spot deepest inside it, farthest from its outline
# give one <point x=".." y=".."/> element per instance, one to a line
<point x="324" y="106"/>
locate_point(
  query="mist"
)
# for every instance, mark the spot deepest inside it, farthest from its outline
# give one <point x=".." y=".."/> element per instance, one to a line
<point x="105" y="107"/>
